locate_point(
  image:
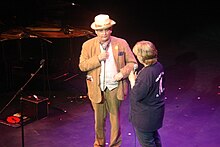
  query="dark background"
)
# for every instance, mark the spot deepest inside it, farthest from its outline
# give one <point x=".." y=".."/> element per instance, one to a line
<point x="186" y="34"/>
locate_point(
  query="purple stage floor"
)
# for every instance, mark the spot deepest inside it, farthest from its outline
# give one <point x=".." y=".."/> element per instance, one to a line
<point x="191" y="120"/>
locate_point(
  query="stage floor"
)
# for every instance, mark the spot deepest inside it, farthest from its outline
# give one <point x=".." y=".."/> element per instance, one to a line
<point x="191" y="120"/>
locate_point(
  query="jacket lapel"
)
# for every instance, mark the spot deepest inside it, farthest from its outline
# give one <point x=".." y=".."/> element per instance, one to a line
<point x="115" y="49"/>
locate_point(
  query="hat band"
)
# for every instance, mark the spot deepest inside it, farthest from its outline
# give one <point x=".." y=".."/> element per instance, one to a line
<point x="99" y="26"/>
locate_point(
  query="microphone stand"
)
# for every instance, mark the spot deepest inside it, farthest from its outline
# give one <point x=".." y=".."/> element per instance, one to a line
<point x="21" y="99"/>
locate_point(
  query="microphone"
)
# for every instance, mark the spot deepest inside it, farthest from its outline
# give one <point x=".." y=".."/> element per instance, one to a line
<point x="42" y="61"/>
<point x="135" y="68"/>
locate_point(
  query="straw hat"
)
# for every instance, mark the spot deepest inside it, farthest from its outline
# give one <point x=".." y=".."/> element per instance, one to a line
<point x="102" y="21"/>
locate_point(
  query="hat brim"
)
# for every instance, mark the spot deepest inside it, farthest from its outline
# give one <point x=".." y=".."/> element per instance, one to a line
<point x="95" y="27"/>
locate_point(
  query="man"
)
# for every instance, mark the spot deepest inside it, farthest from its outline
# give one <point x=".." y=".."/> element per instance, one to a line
<point x="147" y="95"/>
<point x="108" y="60"/>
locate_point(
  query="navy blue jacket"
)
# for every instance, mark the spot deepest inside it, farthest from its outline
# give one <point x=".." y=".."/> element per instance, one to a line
<point x="147" y="99"/>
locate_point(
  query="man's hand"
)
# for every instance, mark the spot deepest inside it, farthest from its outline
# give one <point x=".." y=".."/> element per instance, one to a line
<point x="103" y="56"/>
<point x="118" y="76"/>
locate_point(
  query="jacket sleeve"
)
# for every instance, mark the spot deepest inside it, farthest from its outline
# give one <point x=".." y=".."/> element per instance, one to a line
<point x="88" y="60"/>
<point x="129" y="59"/>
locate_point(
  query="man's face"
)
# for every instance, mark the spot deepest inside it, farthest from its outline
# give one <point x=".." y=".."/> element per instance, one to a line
<point x="103" y="34"/>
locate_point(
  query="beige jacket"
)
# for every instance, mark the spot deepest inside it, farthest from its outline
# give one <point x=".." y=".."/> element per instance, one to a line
<point x="89" y="62"/>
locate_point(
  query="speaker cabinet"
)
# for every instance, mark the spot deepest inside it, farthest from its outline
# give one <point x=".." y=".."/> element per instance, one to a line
<point x="35" y="107"/>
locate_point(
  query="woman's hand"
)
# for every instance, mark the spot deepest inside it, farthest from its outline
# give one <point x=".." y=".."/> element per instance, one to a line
<point x="132" y="77"/>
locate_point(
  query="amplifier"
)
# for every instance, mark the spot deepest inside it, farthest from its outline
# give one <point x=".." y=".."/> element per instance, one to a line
<point x="35" y="107"/>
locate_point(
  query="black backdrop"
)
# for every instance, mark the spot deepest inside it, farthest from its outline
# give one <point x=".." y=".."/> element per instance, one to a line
<point x="21" y="58"/>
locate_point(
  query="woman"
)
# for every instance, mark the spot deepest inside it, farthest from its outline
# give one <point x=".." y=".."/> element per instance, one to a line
<point x="147" y="95"/>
